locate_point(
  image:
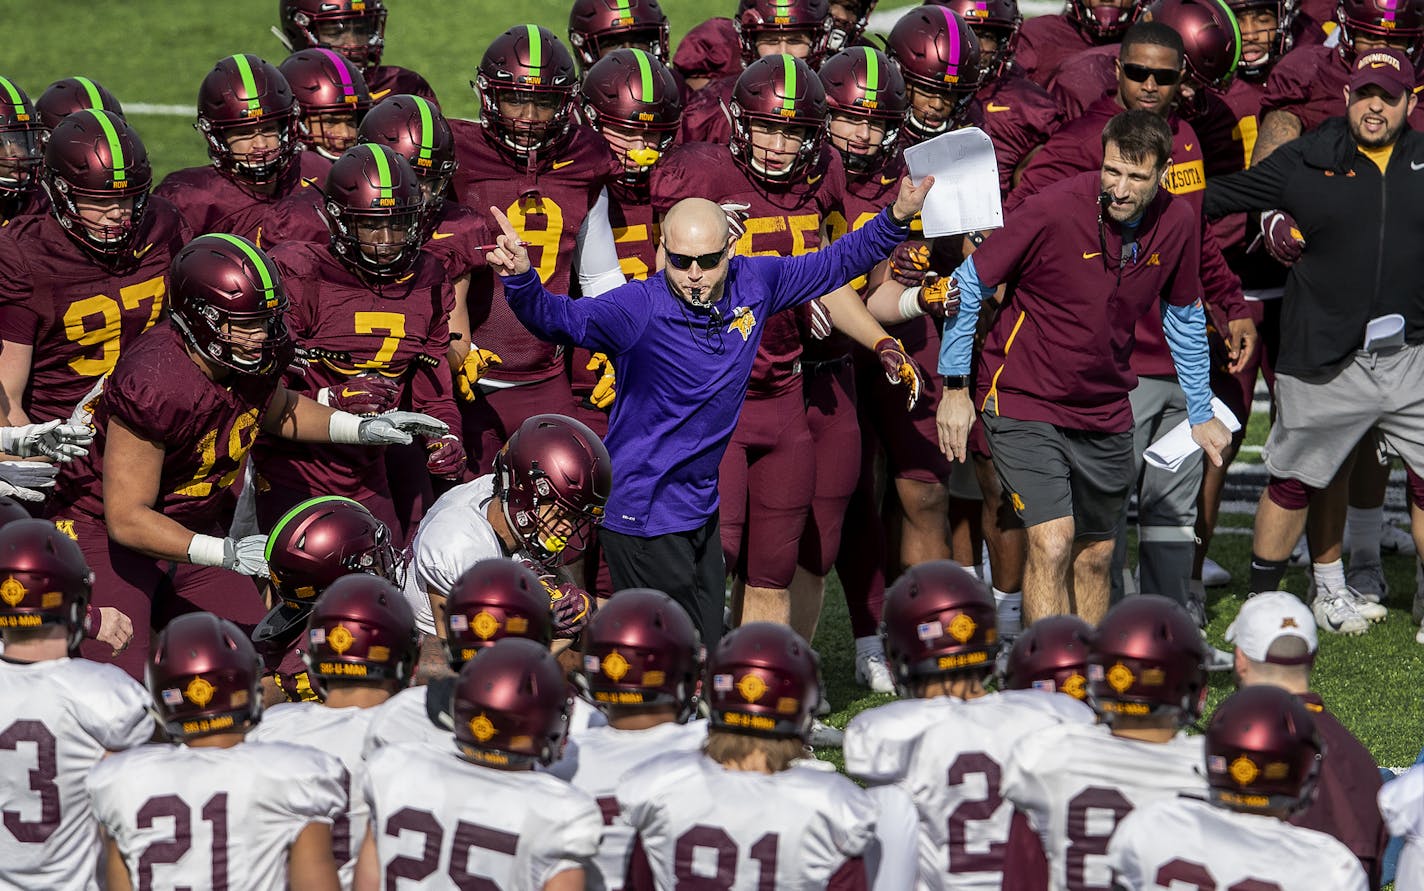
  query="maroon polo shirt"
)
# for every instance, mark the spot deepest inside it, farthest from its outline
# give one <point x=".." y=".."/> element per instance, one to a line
<point x="1060" y="350"/>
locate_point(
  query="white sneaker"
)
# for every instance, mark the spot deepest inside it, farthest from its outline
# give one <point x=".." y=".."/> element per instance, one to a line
<point x="823" y="735"/>
<point x="871" y="670"/>
<point x="1214" y="575"/>
<point x="1368" y="580"/>
<point x="1300" y="555"/>
<point x="1394" y="540"/>
<point x="1369" y="610"/>
<point x="1336" y="613"/>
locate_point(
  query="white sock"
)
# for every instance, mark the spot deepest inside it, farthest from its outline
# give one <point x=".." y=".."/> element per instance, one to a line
<point x="1010" y="605"/>
<point x="1329" y="576"/>
<point x="868" y="646"/>
<point x="1362" y="530"/>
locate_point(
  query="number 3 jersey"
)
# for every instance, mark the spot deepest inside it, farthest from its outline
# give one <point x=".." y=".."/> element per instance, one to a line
<point x="702" y="825"/>
<point x="214" y="818"/>
<point x="1075" y="782"/>
<point x="57" y="720"/>
<point x="441" y="822"/>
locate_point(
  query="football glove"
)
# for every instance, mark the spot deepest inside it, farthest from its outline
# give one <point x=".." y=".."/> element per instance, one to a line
<point x="364" y="394"/>
<point x="25" y="479"/>
<point x="603" y="392"/>
<point x="445" y="457"/>
<point x="939" y="297"/>
<point x="1282" y="237"/>
<point x="571" y="606"/>
<point x="737" y="215"/>
<point x="398" y="428"/>
<point x="245" y="556"/>
<point x="821" y="323"/>
<point x="477" y="361"/>
<point x="83" y="414"/>
<point x="909" y="262"/>
<point x="899" y="368"/>
<point x="55" y="440"/>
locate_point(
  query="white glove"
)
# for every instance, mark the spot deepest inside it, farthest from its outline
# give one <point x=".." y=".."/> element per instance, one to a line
<point x="246" y="555"/>
<point x="24" y="479"/>
<point x="83" y="414"/>
<point x="52" y="439"/>
<point x="390" y="428"/>
<point x="736" y="218"/>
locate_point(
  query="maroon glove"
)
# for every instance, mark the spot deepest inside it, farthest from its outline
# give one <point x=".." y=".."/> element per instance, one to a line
<point x="939" y="297"/>
<point x="364" y="394"/>
<point x="909" y="262"/>
<point x="821" y="325"/>
<point x="571" y="606"/>
<point x="1282" y="237"/>
<point x="445" y="457"/>
<point x="899" y="368"/>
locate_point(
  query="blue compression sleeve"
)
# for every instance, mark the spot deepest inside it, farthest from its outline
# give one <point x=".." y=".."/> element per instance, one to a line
<point x="1185" y="327"/>
<point x="956" y="350"/>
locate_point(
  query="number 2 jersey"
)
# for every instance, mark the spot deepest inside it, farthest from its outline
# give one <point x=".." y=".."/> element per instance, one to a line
<point x="58" y="718"/>
<point x="213" y="818"/>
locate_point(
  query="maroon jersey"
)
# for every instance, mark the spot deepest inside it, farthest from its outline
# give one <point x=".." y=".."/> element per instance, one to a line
<point x="1228" y="151"/>
<point x="784" y="223"/>
<point x="710" y="49"/>
<point x="211" y="202"/>
<point x="1309" y="82"/>
<point x="1045" y="41"/>
<point x="568" y="183"/>
<point x="703" y="119"/>
<point x="401" y="333"/>
<point x="1019" y="116"/>
<point x="387" y="80"/>
<point x="1060" y="350"/>
<point x="76" y="314"/>
<point x="1085" y="78"/>
<point x="31" y="203"/>
<point x="206" y="428"/>
<point x="635" y="229"/>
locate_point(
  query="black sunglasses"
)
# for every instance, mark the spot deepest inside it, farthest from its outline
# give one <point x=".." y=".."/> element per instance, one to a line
<point x="1165" y="77"/>
<point x="685" y="261"/>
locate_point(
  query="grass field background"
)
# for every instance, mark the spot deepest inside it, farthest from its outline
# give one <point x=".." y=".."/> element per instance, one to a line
<point x="152" y="53"/>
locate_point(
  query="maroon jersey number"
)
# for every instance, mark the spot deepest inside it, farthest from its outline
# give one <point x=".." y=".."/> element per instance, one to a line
<point x="467" y="836"/>
<point x="175" y="808"/>
<point x="702" y="836"/>
<point x="209" y="474"/>
<point x="798" y="224"/>
<point x="392" y="324"/>
<point x="41" y="781"/>
<point x="95" y="322"/>
<point x="1198" y="876"/>
<point x="1082" y="844"/>
<point x="960" y="859"/>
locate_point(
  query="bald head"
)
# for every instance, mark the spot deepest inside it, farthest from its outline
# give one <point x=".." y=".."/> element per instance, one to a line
<point x="695" y="226"/>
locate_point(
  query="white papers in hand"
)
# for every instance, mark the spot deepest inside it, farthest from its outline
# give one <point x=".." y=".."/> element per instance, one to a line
<point x="965" y="196"/>
<point x="1385" y="332"/>
<point x="1176" y="445"/>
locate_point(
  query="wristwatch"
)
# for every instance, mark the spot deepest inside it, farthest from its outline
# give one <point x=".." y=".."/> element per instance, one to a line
<point x="956" y="381"/>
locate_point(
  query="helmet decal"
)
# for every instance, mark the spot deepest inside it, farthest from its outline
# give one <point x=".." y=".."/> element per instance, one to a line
<point x="951" y="73"/>
<point x="348" y="86"/>
<point x="269" y="288"/>
<point x="383" y="177"/>
<point x="536" y="47"/>
<point x="249" y="85"/>
<point x="427" y="133"/>
<point x="116" y="149"/>
<point x="92" y="91"/>
<point x="645" y="72"/>
<point x="291" y="514"/>
<point x="872" y="77"/>
<point x="15" y="98"/>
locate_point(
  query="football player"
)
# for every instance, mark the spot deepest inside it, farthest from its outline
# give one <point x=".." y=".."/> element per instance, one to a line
<point x="374" y="308"/>
<point x="21" y="153"/>
<point x="529" y="156"/>
<point x="799" y="28"/>
<point x="316" y="543"/>
<point x="1045" y="41"/>
<point x="357" y="30"/>
<point x="81" y="282"/>
<point x="487" y="818"/>
<point x="1074" y="782"/>
<point x="360" y="651"/>
<point x="709" y="52"/>
<point x="940" y="60"/>
<point x="59" y="716"/>
<point x="1262" y="757"/>
<point x="249" y="119"/>
<point x="849" y="19"/>
<point x="175" y="421"/>
<point x="1051" y="655"/>
<point x="598" y="27"/>
<point x="642" y="665"/>
<point x="68" y="95"/>
<point x="940" y="635"/>
<point x="213" y="806"/>
<point x="332" y="99"/>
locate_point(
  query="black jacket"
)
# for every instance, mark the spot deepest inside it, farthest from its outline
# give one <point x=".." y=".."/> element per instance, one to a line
<point x="1363" y="234"/>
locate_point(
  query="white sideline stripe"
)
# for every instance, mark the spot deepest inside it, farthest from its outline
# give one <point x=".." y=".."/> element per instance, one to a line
<point x="154" y="108"/>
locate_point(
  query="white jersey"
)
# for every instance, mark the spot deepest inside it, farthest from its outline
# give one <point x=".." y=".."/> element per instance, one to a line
<point x="57" y="719"/>
<point x="441" y="822"/>
<point x="1401" y="803"/>
<point x="1200" y="846"/>
<point x="951" y="770"/>
<point x="1074" y="782"/>
<point x="595" y="760"/>
<point x="405" y="718"/>
<point x="213" y="817"/>
<point x="454" y="535"/>
<point x="702" y="824"/>
<point x="339" y="732"/>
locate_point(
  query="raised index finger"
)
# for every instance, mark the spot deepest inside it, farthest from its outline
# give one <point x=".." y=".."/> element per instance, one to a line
<point x="504" y="222"/>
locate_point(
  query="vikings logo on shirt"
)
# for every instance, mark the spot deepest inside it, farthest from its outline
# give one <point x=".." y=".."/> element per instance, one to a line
<point x="743" y="320"/>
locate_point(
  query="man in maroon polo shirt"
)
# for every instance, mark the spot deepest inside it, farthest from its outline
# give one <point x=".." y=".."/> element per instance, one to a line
<point x="1090" y="257"/>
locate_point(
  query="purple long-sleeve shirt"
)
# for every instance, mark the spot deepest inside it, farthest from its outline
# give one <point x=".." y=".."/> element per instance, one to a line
<point x="682" y="373"/>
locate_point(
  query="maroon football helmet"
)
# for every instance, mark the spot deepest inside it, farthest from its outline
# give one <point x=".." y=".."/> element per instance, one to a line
<point x="415" y="129"/>
<point x="354" y="28"/>
<point x="998" y="18"/>
<point x="511" y="705"/>
<point x="96" y="155"/>
<point x="310" y="547"/>
<point x="778" y="91"/>
<point x="43" y="578"/>
<point x="641" y="649"/>
<point x="529" y="65"/>
<point x="631" y="90"/>
<point x="1385" y="19"/>
<point x="711" y="50"/>
<point x="1263" y="752"/>
<point x="1209" y="34"/>
<point x="1281" y="43"/>
<point x="597" y="27"/>
<point x="11" y="511"/>
<point x="361" y="629"/>
<point x="766" y="681"/>
<point x="1052" y="655"/>
<point x="939" y="55"/>
<point x="490" y="601"/>
<point x="845" y="32"/>
<point x="204" y="677"/>
<point x="938" y="620"/>
<point x="241" y="94"/>
<point x="21" y="141"/>
<point x="863" y="84"/>
<point x="220" y="279"/>
<point x="1148" y="658"/>
<point x="332" y="97"/>
<point x="375" y="210"/>
<point x="64" y="97"/>
<point x="553" y="477"/>
<point x="1104" y="23"/>
<point x="756" y="18"/>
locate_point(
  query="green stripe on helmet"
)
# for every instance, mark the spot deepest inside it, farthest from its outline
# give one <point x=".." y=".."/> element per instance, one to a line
<point x="622" y="7"/>
<point x="12" y="94"/>
<point x="427" y="128"/>
<point x="383" y="172"/>
<point x="536" y="47"/>
<point x="788" y="100"/>
<point x="261" y="262"/>
<point x="249" y="83"/>
<point x="872" y="75"/>
<point x="287" y="518"/>
<point x="90" y="90"/>
<point x="645" y="68"/>
<point x="1236" y="31"/>
<point x="116" y="149"/>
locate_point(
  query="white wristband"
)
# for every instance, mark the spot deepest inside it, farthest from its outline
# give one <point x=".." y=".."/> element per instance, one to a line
<point x="344" y="428"/>
<point x="910" y="304"/>
<point x="207" y="550"/>
<point x="323" y="396"/>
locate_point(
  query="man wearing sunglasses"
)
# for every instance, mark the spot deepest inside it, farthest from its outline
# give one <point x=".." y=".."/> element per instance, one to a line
<point x="684" y="341"/>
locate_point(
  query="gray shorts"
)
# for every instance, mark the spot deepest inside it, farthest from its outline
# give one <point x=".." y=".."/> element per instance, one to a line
<point x="1050" y="472"/>
<point x="1318" y="423"/>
